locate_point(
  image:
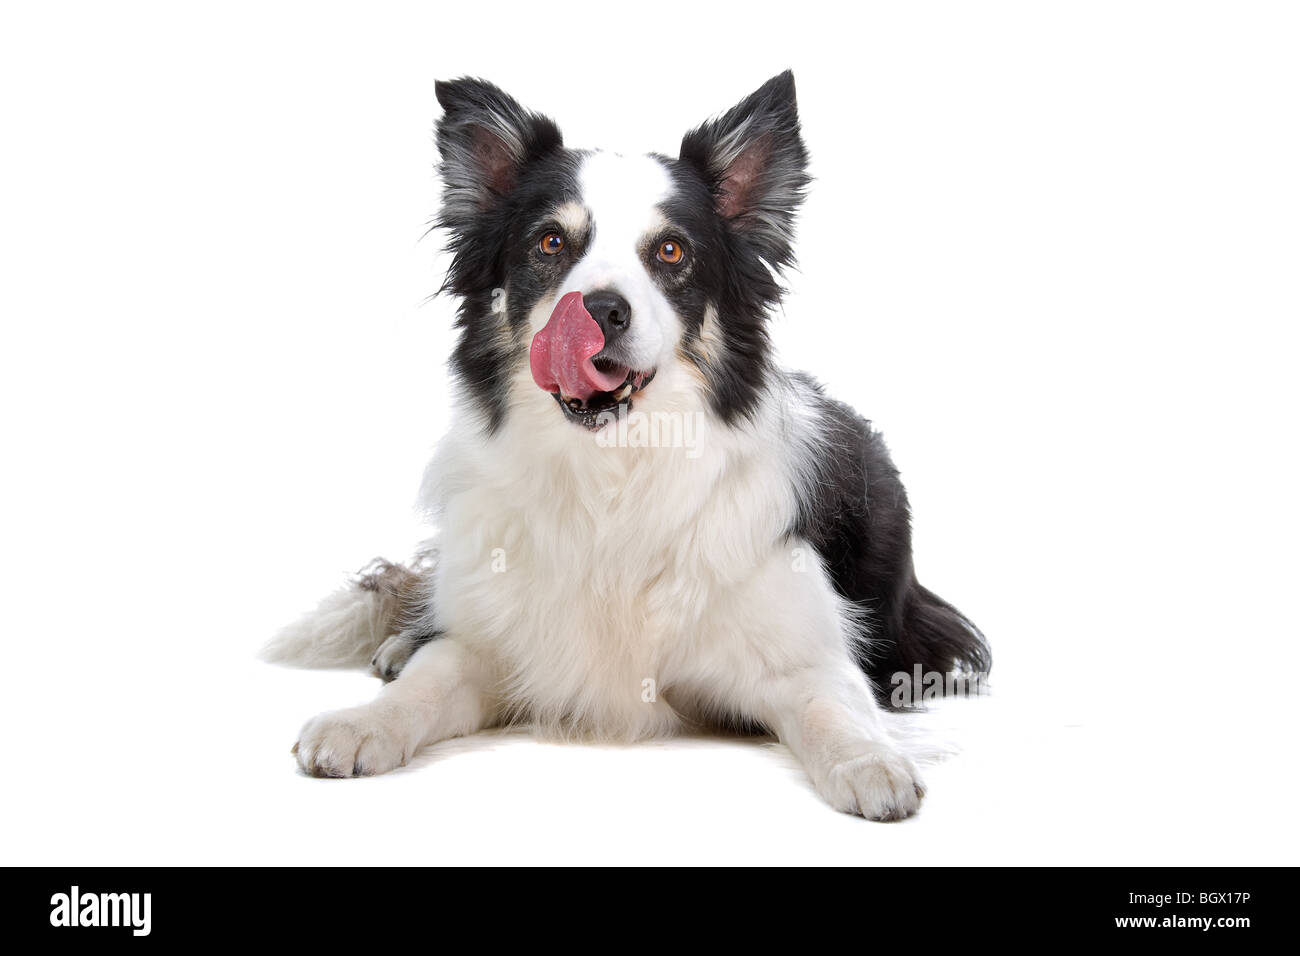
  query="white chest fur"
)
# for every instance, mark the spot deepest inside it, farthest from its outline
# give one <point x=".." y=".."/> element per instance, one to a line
<point x="587" y="574"/>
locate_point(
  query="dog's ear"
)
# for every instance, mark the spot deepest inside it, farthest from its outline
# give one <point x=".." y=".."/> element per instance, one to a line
<point x="484" y="138"/>
<point x="755" y="163"/>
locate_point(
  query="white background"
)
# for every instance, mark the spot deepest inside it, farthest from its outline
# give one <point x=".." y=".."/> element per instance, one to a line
<point x="1051" y="250"/>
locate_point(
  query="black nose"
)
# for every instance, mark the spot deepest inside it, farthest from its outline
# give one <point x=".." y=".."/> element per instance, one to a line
<point x="611" y="312"/>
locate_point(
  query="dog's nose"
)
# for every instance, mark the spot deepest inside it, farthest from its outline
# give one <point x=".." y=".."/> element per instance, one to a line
<point x="611" y="312"/>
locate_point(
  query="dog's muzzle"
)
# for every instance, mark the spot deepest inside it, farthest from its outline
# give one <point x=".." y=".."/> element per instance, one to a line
<point x="570" y="358"/>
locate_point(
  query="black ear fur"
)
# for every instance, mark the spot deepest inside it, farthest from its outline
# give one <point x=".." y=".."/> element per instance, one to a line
<point x="484" y="138"/>
<point x="755" y="162"/>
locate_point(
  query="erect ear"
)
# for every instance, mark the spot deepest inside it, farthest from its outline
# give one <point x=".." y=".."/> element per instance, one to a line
<point x="755" y="162"/>
<point x="484" y="138"/>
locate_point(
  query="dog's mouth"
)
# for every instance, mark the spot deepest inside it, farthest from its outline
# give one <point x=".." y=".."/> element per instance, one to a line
<point x="593" y="411"/>
<point x="568" y="359"/>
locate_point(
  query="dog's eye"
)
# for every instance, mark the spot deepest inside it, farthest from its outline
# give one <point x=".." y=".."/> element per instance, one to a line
<point x="670" y="251"/>
<point x="551" y="244"/>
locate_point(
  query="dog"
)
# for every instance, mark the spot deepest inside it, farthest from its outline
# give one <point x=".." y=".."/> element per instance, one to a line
<point x="646" y="524"/>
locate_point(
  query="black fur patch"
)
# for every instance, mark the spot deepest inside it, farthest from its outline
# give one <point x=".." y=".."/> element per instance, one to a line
<point x="503" y="168"/>
<point x="857" y="516"/>
<point x="738" y="180"/>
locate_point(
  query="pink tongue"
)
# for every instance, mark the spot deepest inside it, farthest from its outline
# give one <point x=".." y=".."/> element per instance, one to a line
<point x="561" y="353"/>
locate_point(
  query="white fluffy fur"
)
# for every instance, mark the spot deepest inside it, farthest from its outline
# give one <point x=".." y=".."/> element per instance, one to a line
<point x="571" y="574"/>
<point x="623" y="192"/>
<point x="343" y="631"/>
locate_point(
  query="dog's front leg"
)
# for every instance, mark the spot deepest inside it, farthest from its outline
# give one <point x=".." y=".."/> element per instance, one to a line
<point x="831" y="722"/>
<point x="784" y="640"/>
<point x="439" y="694"/>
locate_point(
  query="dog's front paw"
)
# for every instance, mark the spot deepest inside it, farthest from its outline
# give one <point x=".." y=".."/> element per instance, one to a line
<point x="879" y="784"/>
<point x="350" y="743"/>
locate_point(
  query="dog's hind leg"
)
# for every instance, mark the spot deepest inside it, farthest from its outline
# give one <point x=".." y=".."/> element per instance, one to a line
<point x="397" y="650"/>
<point x="381" y="617"/>
<point x="412" y="589"/>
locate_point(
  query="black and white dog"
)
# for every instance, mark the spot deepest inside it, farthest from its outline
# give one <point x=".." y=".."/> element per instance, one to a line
<point x="645" y="524"/>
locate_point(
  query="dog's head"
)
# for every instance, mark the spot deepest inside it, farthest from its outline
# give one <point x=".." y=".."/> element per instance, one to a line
<point x="613" y="277"/>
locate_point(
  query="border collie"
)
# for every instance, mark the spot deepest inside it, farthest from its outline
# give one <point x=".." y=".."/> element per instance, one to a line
<point x="645" y="524"/>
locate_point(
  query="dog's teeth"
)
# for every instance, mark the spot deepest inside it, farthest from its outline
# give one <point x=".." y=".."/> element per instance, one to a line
<point x="623" y="392"/>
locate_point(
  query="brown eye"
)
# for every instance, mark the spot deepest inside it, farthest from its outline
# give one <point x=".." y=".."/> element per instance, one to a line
<point x="670" y="251"/>
<point x="551" y="244"/>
